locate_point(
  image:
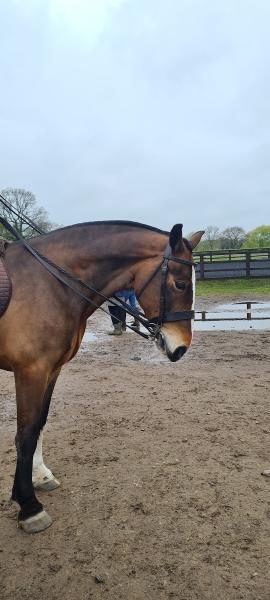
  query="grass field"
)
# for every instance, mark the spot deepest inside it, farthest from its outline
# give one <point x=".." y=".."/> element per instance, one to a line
<point x="231" y="287"/>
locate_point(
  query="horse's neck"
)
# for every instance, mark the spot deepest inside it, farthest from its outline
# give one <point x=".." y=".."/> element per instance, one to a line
<point x="102" y="254"/>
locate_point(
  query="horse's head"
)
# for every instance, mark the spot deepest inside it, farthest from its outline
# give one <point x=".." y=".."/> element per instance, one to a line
<point x="166" y="291"/>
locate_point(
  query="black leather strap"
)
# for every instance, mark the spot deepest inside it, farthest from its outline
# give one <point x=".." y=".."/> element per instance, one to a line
<point x="182" y="261"/>
<point x="164" y="273"/>
<point x="149" y="279"/>
<point x="167" y="256"/>
<point x="165" y="317"/>
<point x="183" y="315"/>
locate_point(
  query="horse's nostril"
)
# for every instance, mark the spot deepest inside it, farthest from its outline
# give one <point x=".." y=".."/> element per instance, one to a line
<point x="178" y="353"/>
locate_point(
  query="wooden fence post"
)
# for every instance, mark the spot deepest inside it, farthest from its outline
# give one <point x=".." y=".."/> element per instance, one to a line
<point x="247" y="264"/>
<point x="201" y="266"/>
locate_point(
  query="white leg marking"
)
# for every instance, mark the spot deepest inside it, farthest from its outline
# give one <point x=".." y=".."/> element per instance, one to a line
<point x="40" y="471"/>
<point x="42" y="476"/>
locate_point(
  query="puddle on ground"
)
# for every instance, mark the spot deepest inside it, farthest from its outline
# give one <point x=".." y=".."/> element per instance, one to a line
<point x="238" y="316"/>
<point x="89" y="336"/>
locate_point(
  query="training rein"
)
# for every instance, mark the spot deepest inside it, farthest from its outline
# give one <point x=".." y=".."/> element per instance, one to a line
<point x="154" y="324"/>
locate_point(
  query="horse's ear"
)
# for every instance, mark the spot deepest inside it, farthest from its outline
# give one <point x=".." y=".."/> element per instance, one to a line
<point x="176" y="236"/>
<point x="195" y="239"/>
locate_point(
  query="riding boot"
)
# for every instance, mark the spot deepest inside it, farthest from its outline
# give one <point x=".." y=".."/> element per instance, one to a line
<point x="135" y="325"/>
<point x="117" y="329"/>
<point x="118" y="316"/>
<point x="114" y="312"/>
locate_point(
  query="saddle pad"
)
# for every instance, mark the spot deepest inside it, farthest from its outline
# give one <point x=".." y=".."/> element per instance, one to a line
<point x="5" y="288"/>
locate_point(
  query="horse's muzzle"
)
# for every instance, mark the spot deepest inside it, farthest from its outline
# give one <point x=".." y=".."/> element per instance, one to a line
<point x="174" y="355"/>
<point x="177" y="354"/>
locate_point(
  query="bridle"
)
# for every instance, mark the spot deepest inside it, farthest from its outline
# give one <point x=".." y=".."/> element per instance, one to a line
<point x="154" y="324"/>
<point x="165" y="316"/>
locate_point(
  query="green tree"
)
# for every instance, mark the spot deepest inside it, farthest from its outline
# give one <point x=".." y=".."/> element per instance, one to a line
<point x="258" y="237"/>
<point x="24" y="203"/>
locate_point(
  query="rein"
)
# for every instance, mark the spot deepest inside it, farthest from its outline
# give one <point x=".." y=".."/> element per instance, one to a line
<point x="153" y="325"/>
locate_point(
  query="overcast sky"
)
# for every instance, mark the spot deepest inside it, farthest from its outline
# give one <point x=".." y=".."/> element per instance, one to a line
<point x="150" y="110"/>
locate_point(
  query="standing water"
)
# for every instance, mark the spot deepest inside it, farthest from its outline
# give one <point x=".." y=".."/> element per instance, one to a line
<point x="238" y="316"/>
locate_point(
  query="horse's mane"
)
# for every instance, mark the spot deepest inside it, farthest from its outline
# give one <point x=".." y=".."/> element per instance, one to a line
<point x="114" y="222"/>
<point x="124" y="223"/>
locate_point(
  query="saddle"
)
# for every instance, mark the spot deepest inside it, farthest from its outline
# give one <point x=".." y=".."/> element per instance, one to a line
<point x="5" y="282"/>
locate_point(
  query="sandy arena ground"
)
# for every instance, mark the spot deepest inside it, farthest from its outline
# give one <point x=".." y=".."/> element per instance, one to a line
<point x="160" y="464"/>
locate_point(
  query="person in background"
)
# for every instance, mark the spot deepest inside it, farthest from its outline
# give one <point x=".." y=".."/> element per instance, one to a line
<point x="118" y="314"/>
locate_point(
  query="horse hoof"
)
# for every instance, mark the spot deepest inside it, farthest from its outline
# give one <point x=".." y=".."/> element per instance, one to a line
<point x="37" y="523"/>
<point x="47" y="484"/>
<point x="266" y="473"/>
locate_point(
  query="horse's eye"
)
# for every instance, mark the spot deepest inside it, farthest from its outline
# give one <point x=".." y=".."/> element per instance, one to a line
<point x="180" y="285"/>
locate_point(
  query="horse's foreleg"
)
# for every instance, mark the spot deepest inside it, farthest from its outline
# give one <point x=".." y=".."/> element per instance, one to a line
<point x="43" y="478"/>
<point x="31" y="385"/>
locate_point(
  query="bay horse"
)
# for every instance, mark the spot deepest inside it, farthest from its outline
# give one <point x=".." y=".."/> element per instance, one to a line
<point x="44" y="323"/>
